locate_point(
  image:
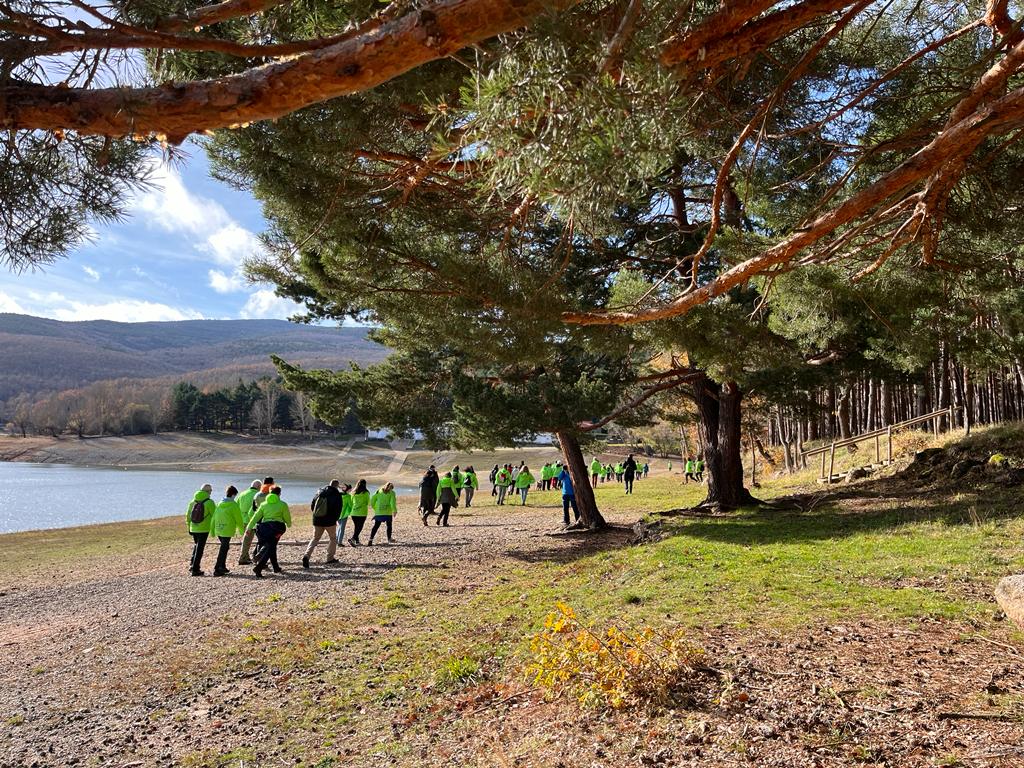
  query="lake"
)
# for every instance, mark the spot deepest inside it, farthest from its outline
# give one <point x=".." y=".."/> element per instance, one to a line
<point x="34" y="496"/>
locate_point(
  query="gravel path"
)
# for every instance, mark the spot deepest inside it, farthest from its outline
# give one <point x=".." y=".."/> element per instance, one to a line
<point x="81" y="648"/>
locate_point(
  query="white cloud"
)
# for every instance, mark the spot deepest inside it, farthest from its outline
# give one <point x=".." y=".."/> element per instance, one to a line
<point x="91" y="273"/>
<point x="8" y="304"/>
<point x="223" y="283"/>
<point x="173" y="207"/>
<point x="231" y="245"/>
<point x="264" y="304"/>
<point x="123" y="310"/>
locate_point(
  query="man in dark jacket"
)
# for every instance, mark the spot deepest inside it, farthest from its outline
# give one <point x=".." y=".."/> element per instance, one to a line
<point x="326" y="508"/>
<point x="629" y="473"/>
<point x="428" y="493"/>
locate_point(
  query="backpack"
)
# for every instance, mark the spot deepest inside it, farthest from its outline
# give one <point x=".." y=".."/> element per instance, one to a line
<point x="198" y="512"/>
<point x="320" y="504"/>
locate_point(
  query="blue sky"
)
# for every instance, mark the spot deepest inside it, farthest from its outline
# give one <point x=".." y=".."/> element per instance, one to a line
<point x="177" y="257"/>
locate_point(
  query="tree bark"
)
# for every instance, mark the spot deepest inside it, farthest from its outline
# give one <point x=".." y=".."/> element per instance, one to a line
<point x="590" y="515"/>
<point x="719" y="406"/>
<point x="358" y="63"/>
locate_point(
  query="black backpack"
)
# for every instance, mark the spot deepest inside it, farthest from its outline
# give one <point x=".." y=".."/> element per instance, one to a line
<point x="320" y="503"/>
<point x="198" y="513"/>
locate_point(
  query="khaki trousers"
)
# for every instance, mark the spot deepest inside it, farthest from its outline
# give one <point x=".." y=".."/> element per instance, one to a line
<point x="318" y="532"/>
<point x="244" y="557"/>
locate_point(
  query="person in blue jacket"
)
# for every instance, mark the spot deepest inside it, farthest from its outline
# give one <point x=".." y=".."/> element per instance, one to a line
<point x="568" y="496"/>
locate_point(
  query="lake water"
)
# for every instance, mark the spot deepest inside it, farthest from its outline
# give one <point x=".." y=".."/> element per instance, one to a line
<point x="34" y="496"/>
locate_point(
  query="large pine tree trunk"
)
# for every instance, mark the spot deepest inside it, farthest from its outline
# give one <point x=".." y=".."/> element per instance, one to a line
<point x="590" y="515"/>
<point x="719" y="407"/>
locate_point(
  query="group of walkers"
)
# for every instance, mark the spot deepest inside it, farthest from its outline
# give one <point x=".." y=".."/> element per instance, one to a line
<point x="259" y="512"/>
<point x="624" y="472"/>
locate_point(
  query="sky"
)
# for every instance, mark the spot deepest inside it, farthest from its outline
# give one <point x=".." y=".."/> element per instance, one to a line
<point x="178" y="256"/>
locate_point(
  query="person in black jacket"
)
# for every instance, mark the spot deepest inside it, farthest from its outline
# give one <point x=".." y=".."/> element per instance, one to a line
<point x="428" y="493"/>
<point x="326" y="509"/>
<point x="629" y="473"/>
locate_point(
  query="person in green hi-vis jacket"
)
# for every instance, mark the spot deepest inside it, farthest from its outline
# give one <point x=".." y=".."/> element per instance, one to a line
<point x="198" y="519"/>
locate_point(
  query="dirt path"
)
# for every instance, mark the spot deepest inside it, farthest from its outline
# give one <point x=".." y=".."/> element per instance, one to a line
<point x="81" y="672"/>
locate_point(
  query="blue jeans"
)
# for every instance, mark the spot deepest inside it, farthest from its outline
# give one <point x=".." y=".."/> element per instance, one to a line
<point x="523" y="492"/>
<point x="569" y="501"/>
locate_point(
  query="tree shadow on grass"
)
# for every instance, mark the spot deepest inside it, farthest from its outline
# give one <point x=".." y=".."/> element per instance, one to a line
<point x="573" y="546"/>
<point x="836" y="515"/>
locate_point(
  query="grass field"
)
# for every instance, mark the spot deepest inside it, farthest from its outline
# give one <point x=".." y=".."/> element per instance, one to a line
<point x="430" y="656"/>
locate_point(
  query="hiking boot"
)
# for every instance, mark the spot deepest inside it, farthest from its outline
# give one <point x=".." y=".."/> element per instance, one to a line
<point x="354" y="541"/>
<point x="425" y="520"/>
<point x="244" y="561"/>
<point x="305" y="562"/>
<point x="390" y="540"/>
<point x="258" y="572"/>
<point x="197" y="573"/>
<point x="369" y="543"/>
<point x="221" y="572"/>
<point x="279" y="570"/>
<point x="332" y="561"/>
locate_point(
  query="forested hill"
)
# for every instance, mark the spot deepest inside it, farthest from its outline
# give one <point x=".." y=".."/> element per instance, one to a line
<point x="50" y="355"/>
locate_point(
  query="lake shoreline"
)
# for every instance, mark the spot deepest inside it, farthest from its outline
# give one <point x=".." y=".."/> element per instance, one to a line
<point x="291" y="455"/>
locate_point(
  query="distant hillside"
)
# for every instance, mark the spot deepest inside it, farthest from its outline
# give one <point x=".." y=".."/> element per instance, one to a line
<point x="50" y="355"/>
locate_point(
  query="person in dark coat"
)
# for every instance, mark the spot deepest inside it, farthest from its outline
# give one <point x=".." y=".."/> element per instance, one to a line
<point x="326" y="508"/>
<point x="428" y="493"/>
<point x="629" y="473"/>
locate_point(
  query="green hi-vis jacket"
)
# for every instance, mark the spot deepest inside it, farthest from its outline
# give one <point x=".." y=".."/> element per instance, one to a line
<point x="360" y="503"/>
<point x="384" y="503"/>
<point x="209" y="507"/>
<point x="244" y="500"/>
<point x="227" y="519"/>
<point x="503" y="478"/>
<point x="346" y="505"/>
<point x="524" y="479"/>
<point x="272" y="510"/>
<point x="595" y="467"/>
<point x="469" y="481"/>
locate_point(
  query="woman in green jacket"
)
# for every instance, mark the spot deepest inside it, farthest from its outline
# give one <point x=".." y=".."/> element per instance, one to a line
<point x="227" y="522"/>
<point x="270" y="521"/>
<point x="360" y="508"/>
<point x="385" y="506"/>
<point x="446" y="497"/>
<point x="523" y="482"/>
<point x="470" y="485"/>
<point x="346" y="511"/>
<point x="199" y="518"/>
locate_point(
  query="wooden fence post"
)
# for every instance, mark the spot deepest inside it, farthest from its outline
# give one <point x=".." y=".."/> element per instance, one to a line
<point x="831" y="463"/>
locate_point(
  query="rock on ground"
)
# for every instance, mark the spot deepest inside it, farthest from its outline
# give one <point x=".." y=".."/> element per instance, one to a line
<point x="1010" y="596"/>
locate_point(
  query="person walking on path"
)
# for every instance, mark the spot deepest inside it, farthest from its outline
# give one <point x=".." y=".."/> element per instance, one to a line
<point x="428" y="493"/>
<point x="647" y="468"/>
<point x="457" y="480"/>
<point x="346" y="511"/>
<point x="470" y="485"/>
<point x="690" y="468"/>
<point x="385" y="507"/>
<point x="700" y="470"/>
<point x="493" y="478"/>
<point x="227" y="522"/>
<point x="258" y="498"/>
<point x="199" y="518"/>
<point x="247" y="506"/>
<point x="447" y="498"/>
<point x="523" y="482"/>
<point x="326" y="507"/>
<point x="568" y="496"/>
<point x="595" y="471"/>
<point x="503" y="480"/>
<point x="271" y="520"/>
<point x="360" y="509"/>
<point x="629" y="472"/>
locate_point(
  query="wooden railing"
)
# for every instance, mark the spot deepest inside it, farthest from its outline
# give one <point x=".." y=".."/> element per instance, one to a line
<point x="830" y="449"/>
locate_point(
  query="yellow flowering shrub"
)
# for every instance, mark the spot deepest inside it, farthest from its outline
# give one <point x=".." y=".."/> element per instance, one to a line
<point x="613" y="666"/>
